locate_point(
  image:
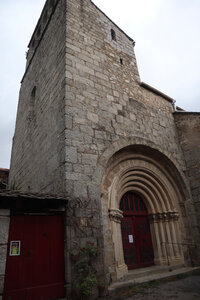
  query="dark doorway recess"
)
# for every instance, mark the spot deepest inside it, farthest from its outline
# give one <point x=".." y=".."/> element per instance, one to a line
<point x="136" y="235"/>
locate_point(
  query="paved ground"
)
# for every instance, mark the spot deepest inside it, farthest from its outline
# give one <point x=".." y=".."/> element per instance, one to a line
<point x="183" y="289"/>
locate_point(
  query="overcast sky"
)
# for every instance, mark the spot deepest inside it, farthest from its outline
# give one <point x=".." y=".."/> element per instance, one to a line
<point x="167" y="50"/>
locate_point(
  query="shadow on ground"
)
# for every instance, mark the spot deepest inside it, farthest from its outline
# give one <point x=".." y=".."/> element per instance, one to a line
<point x="181" y="287"/>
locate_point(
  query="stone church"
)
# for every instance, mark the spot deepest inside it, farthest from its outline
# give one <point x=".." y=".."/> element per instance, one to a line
<point x="120" y="161"/>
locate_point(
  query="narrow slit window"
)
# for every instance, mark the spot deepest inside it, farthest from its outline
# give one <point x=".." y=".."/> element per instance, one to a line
<point x="39" y="31"/>
<point x="33" y="96"/>
<point x="52" y="2"/>
<point x="113" y="35"/>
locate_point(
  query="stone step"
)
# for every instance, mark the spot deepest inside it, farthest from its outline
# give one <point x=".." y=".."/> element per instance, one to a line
<point x="137" y="273"/>
<point x="140" y="276"/>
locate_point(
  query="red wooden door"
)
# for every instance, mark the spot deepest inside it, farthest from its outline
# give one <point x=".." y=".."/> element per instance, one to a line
<point x="38" y="271"/>
<point x="136" y="235"/>
<point x="130" y="250"/>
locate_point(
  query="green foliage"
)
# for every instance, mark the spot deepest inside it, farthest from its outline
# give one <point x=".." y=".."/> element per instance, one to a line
<point x="85" y="274"/>
<point x="85" y="286"/>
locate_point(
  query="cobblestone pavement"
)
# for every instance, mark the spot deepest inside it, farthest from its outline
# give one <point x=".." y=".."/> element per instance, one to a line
<point x="182" y="289"/>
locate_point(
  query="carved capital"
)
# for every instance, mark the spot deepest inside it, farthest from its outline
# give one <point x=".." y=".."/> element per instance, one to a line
<point x="152" y="218"/>
<point x="176" y="215"/>
<point x="172" y="215"/>
<point x="164" y="216"/>
<point x="115" y="215"/>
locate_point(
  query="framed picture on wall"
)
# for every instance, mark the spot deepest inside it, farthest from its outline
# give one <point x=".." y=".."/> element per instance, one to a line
<point x="15" y="248"/>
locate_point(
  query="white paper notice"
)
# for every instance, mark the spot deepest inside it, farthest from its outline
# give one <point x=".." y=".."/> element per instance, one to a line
<point x="130" y="237"/>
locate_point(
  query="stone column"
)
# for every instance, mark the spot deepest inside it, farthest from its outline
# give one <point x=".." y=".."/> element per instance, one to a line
<point x="162" y="237"/>
<point x="174" y="234"/>
<point x="116" y="216"/>
<point x="177" y="230"/>
<point x="155" y="239"/>
<point x="169" y="238"/>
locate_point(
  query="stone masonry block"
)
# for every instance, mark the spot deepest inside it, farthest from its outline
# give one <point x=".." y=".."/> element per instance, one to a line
<point x="89" y="159"/>
<point x="3" y="253"/>
<point x="4" y="229"/>
<point x="80" y="189"/>
<point x="93" y="117"/>
<point x="71" y="154"/>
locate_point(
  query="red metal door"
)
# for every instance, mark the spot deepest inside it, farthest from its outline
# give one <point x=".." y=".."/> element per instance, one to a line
<point x="136" y="235"/>
<point x="38" y="271"/>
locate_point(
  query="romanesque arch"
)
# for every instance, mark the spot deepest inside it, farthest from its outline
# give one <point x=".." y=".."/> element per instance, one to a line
<point x="151" y="175"/>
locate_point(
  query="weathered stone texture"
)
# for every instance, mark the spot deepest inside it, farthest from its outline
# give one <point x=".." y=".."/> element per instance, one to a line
<point x="188" y="126"/>
<point x="37" y="159"/>
<point x="88" y="104"/>
<point x="104" y="98"/>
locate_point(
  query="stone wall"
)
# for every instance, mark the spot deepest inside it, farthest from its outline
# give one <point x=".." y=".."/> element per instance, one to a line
<point x="4" y="230"/>
<point x="188" y="126"/>
<point x="104" y="99"/>
<point x="106" y="107"/>
<point x="37" y="154"/>
<point x="81" y="101"/>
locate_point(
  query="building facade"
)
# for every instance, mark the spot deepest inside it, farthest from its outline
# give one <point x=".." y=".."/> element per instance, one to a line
<point x="87" y="128"/>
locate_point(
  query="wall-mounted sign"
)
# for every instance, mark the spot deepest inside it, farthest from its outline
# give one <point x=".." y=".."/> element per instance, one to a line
<point x="15" y="248"/>
<point x="130" y="237"/>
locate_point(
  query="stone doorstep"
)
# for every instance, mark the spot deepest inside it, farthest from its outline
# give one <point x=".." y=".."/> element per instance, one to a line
<point x="153" y="270"/>
<point x="145" y="275"/>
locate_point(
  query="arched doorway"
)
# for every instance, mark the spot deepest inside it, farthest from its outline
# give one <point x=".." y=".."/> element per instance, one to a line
<point x="151" y="176"/>
<point x="136" y="235"/>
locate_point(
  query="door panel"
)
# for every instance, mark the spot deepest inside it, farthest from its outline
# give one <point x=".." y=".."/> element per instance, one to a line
<point x="136" y="235"/>
<point x="38" y="272"/>
<point x="143" y="240"/>
<point x="128" y="239"/>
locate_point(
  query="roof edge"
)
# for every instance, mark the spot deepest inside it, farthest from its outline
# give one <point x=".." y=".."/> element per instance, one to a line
<point x="4" y="170"/>
<point x="186" y="113"/>
<point x="22" y="194"/>
<point x="157" y="92"/>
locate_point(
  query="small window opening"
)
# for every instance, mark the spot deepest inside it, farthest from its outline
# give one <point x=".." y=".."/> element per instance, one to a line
<point x="39" y="31"/>
<point x="52" y="2"/>
<point x="33" y="95"/>
<point x="121" y="61"/>
<point x="45" y="16"/>
<point x="33" y="43"/>
<point x="113" y="35"/>
<point x="31" y="111"/>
